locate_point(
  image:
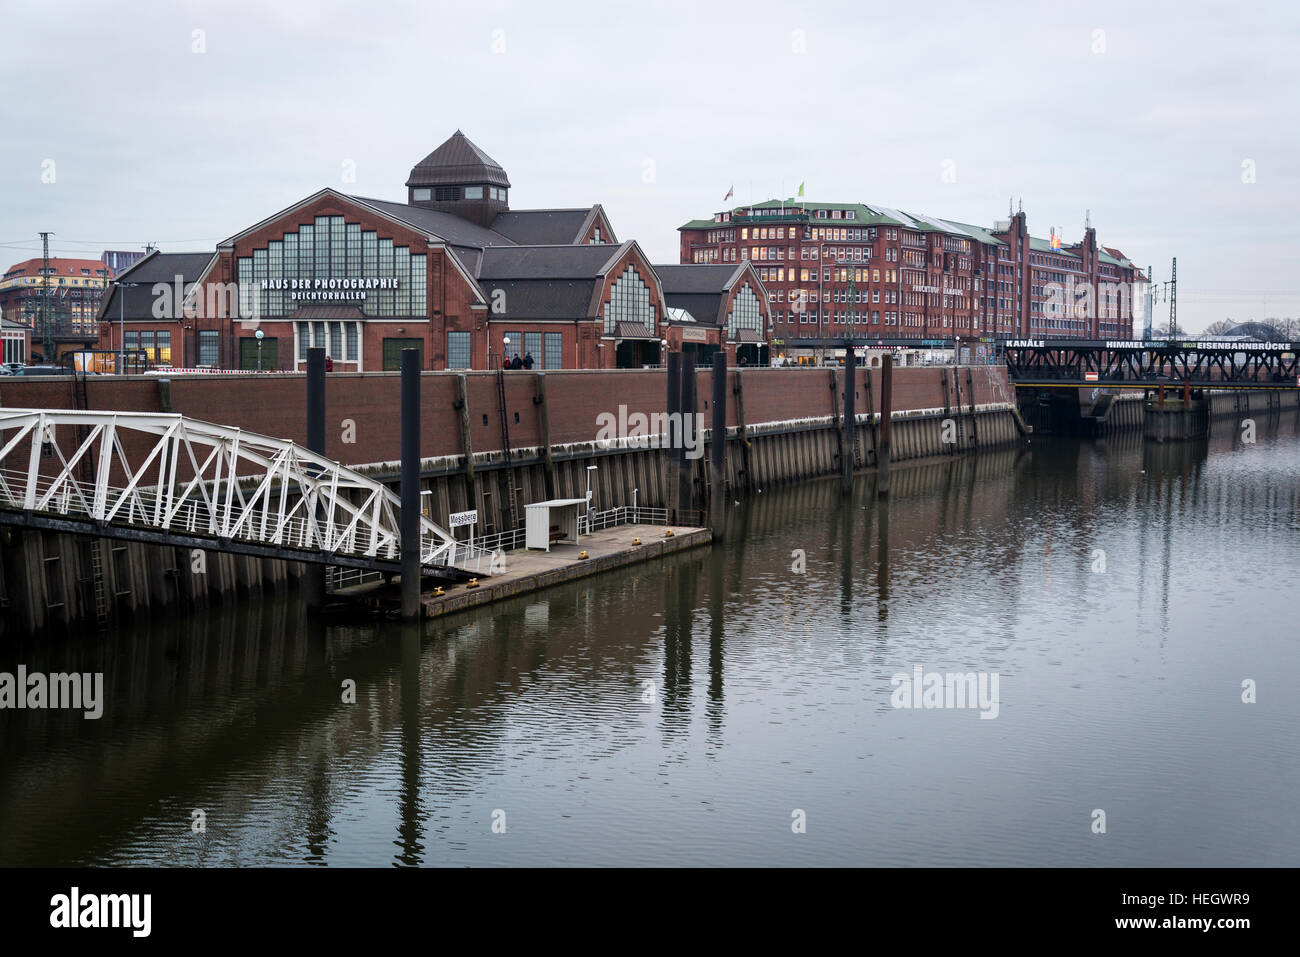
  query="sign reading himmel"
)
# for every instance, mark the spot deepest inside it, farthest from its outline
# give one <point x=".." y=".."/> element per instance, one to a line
<point x="331" y="289"/>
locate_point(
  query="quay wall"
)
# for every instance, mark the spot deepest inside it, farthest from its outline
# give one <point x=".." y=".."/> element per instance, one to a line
<point x="783" y="426"/>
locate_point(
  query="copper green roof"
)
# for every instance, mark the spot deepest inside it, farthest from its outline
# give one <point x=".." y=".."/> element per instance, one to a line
<point x="977" y="232"/>
<point x="1045" y="246"/>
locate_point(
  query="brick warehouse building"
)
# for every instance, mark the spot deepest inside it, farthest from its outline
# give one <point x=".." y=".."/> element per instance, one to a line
<point x="452" y="272"/>
<point x="716" y="307"/>
<point x="835" y="268"/>
<point x="76" y="289"/>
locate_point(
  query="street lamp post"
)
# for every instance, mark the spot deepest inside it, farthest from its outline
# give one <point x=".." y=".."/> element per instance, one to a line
<point x="121" y="322"/>
<point x="260" y="336"/>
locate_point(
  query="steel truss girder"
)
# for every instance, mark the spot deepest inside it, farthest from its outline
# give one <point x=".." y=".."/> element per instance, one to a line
<point x="206" y="482"/>
<point x="1243" y="365"/>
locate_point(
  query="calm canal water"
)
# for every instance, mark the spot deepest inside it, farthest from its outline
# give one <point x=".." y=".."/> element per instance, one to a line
<point x="686" y="711"/>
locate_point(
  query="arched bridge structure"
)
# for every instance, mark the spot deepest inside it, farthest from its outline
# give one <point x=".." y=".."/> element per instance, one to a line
<point x="171" y="480"/>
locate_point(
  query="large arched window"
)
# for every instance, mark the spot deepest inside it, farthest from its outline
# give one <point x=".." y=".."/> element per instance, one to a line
<point x="746" y="313"/>
<point x="629" y="301"/>
<point x="328" y="261"/>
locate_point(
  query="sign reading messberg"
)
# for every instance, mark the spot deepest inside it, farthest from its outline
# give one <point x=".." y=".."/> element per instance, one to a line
<point x="331" y="289"/>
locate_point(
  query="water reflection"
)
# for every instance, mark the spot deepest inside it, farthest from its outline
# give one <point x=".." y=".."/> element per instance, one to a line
<point x="1119" y="690"/>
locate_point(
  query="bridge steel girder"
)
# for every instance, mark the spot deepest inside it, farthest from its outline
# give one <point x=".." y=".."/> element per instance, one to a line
<point x="1136" y="364"/>
<point x="128" y="533"/>
<point x="187" y="488"/>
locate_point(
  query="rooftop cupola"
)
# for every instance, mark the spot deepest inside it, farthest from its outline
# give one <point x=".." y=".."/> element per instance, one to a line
<point x="461" y="179"/>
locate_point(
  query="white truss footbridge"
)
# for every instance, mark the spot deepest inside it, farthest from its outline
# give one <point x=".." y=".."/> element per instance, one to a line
<point x="181" y="481"/>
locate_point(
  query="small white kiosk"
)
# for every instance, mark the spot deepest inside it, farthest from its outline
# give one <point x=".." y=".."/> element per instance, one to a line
<point x="553" y="522"/>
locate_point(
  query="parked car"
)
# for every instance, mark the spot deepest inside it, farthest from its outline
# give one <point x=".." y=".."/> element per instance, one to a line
<point x="10" y="368"/>
<point x="42" y="370"/>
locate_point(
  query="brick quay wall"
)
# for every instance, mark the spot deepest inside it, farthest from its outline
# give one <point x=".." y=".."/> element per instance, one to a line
<point x="782" y="427"/>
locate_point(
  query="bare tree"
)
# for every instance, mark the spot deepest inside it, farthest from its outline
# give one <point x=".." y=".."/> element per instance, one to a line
<point x="1221" y="328"/>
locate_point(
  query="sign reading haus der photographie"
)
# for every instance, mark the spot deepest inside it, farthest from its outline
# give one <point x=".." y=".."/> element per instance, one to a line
<point x="331" y="289"/>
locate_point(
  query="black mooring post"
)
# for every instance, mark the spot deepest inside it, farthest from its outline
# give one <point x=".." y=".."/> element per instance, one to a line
<point x="718" y="448"/>
<point x="410" y="484"/>
<point x="313" y="582"/>
<point x="673" y="438"/>
<point x="886" y="425"/>
<point x="689" y="433"/>
<point x="850" y="419"/>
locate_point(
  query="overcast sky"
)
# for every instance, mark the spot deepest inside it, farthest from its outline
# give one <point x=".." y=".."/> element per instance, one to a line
<point x="1149" y="116"/>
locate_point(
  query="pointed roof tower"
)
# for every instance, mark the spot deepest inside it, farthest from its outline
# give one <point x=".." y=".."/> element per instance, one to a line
<point x="457" y="162"/>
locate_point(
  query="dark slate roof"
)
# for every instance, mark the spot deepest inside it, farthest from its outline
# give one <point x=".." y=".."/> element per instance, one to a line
<point x="155" y="268"/>
<point x="546" y="262"/>
<point x="7" y="324"/>
<point x="633" y="330"/>
<point x="688" y="279"/>
<point x="457" y="161"/>
<point x="164" y="267"/>
<point x="540" y="298"/>
<point x="704" y="306"/>
<point x="749" y="335"/>
<point x="446" y="226"/>
<point x="542" y="227"/>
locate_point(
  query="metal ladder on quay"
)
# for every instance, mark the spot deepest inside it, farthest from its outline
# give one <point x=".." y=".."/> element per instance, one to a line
<point x="505" y="442"/>
<point x="98" y="588"/>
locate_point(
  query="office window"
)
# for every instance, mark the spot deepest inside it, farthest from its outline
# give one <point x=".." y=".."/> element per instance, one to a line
<point x="209" y="343"/>
<point x="554" y="351"/>
<point x="533" y="346"/>
<point x="458" y="350"/>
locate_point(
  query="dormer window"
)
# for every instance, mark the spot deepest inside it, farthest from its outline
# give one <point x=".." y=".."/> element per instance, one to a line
<point x="473" y="192"/>
<point x="421" y="195"/>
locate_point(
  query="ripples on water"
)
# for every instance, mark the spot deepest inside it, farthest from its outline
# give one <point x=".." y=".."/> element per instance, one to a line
<point x="1119" y="690"/>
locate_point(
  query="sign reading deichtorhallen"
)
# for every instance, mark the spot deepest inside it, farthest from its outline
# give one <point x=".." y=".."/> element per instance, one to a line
<point x="331" y="289"/>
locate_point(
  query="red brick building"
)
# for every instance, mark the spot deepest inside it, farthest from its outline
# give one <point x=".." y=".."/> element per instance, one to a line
<point x="832" y="269"/>
<point x="76" y="289"/>
<point x="716" y="308"/>
<point x="453" y="272"/>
